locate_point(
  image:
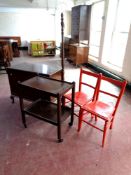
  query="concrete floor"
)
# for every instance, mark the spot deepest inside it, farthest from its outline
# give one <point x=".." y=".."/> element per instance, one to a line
<point x="34" y="150"/>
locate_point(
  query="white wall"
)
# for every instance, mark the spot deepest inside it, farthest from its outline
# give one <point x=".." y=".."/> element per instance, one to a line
<point x="67" y="21"/>
<point x="67" y="25"/>
<point x="28" y="24"/>
<point x="33" y="24"/>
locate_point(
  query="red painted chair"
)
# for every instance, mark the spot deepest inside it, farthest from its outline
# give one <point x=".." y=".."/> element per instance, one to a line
<point x="88" y="84"/>
<point x="105" y="105"/>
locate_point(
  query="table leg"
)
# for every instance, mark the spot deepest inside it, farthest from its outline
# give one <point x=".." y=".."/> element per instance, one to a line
<point x="12" y="98"/>
<point x="59" y="120"/>
<point x="22" y="112"/>
<point x="72" y="105"/>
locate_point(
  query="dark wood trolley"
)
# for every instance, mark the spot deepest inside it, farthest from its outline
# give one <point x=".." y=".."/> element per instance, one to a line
<point x="51" y="112"/>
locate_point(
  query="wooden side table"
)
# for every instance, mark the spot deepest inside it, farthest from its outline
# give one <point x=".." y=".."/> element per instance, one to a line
<point x="78" y="53"/>
<point x="24" y="71"/>
<point x="43" y="109"/>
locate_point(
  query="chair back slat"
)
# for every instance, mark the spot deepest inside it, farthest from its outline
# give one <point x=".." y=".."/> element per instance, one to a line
<point x="116" y="83"/>
<point x="107" y="93"/>
<point x="89" y="83"/>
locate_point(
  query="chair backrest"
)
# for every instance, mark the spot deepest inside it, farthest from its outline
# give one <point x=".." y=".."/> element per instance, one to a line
<point x="89" y="80"/>
<point x="6" y="52"/>
<point x="113" y="89"/>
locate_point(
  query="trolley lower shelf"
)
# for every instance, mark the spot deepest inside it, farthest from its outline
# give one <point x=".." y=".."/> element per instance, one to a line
<point x="47" y="111"/>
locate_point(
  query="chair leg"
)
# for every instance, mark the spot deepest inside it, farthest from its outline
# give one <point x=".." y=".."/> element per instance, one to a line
<point x="12" y="98"/>
<point x="92" y="116"/>
<point x="104" y="134"/>
<point x="80" y="119"/>
<point x="111" y="125"/>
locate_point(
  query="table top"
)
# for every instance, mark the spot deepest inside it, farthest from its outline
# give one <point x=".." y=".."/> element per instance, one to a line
<point x="48" y="85"/>
<point x="8" y="40"/>
<point x="46" y="68"/>
<point x="79" y="45"/>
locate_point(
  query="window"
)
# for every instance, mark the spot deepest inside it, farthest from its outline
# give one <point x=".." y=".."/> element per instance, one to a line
<point x="95" y="29"/>
<point x="116" y="35"/>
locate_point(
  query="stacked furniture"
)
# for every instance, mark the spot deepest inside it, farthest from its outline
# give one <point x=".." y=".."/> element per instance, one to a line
<point x="14" y="42"/>
<point x="80" y="22"/>
<point x="42" y="48"/>
<point x="76" y="48"/>
<point x="5" y="56"/>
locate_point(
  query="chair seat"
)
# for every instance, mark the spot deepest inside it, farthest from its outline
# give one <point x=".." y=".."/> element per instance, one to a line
<point x="81" y="98"/>
<point x="101" y="109"/>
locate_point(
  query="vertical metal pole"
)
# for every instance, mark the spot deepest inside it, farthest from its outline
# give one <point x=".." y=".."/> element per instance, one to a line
<point x="62" y="45"/>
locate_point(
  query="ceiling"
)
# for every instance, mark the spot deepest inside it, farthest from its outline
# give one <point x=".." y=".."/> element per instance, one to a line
<point x="47" y="4"/>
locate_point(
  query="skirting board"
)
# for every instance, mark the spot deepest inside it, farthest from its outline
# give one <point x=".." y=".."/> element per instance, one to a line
<point x="106" y="72"/>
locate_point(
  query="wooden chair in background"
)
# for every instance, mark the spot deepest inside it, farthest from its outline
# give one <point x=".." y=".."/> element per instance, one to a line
<point x="5" y="56"/>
